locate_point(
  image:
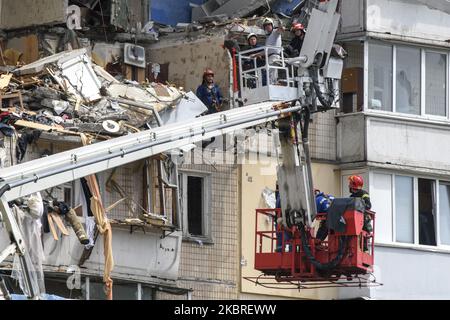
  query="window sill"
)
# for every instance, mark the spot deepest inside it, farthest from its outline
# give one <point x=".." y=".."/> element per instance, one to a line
<point x="198" y="240"/>
<point x="416" y="247"/>
<point x="425" y="119"/>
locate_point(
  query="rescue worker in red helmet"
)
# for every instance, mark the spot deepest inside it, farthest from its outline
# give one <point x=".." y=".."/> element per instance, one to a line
<point x="210" y="93"/>
<point x="355" y="185"/>
<point x="295" y="46"/>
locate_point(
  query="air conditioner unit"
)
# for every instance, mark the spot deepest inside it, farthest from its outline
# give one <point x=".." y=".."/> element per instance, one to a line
<point x="134" y="55"/>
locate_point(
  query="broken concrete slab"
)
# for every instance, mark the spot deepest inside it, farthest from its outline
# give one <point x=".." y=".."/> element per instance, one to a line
<point x="72" y="71"/>
<point x="231" y="8"/>
<point x="188" y="107"/>
<point x="40" y="65"/>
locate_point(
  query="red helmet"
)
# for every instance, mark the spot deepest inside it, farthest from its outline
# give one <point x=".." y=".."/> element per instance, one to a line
<point x="297" y="26"/>
<point x="207" y="72"/>
<point x="355" y="182"/>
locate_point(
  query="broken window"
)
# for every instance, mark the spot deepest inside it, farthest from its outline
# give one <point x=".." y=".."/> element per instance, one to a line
<point x="380" y="77"/>
<point x="195" y="193"/>
<point x="427" y="231"/>
<point x="436" y="66"/>
<point x="444" y="213"/>
<point x="408" y="78"/>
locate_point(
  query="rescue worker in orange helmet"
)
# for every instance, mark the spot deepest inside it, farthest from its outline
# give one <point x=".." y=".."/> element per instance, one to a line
<point x="209" y="92"/>
<point x="355" y="185"/>
<point x="295" y="46"/>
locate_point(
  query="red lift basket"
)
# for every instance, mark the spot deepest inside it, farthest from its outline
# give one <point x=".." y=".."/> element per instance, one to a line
<point x="280" y="252"/>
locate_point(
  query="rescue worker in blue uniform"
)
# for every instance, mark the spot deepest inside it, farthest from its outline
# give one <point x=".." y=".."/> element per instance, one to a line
<point x="209" y="93"/>
<point x="279" y="221"/>
<point x="323" y="203"/>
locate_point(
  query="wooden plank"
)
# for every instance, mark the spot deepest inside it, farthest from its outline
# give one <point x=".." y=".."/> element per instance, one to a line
<point x="42" y="127"/>
<point x="52" y="227"/>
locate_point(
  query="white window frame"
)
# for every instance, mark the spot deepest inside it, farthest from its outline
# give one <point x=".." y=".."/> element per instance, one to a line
<point x="424" y="98"/>
<point x="438" y="216"/>
<point x="423" y="115"/>
<point x="416" y="245"/>
<point x="206" y="237"/>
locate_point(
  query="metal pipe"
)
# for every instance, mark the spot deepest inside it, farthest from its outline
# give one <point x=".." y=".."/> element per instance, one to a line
<point x="305" y="143"/>
<point x="123" y="152"/>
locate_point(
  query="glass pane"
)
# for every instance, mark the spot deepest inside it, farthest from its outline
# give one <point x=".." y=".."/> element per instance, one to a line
<point x="444" y="213"/>
<point x="436" y="65"/>
<point x="408" y="80"/>
<point x="147" y="293"/>
<point x="404" y="209"/>
<point x="195" y="205"/>
<point x="380" y="77"/>
<point x="125" y="292"/>
<point x="381" y="195"/>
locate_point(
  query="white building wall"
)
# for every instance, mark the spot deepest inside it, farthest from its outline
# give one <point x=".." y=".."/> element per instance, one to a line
<point x="408" y="143"/>
<point x="407" y="18"/>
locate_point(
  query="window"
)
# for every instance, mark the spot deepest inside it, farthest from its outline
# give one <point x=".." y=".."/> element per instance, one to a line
<point x="195" y="191"/>
<point x="436" y="65"/>
<point x="444" y="213"/>
<point x="404" y="209"/>
<point x="380" y="77"/>
<point x="420" y="209"/>
<point x="408" y="80"/>
<point x="195" y="205"/>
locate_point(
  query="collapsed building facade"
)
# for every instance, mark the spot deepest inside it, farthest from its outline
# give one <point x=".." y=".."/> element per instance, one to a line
<point x="162" y="248"/>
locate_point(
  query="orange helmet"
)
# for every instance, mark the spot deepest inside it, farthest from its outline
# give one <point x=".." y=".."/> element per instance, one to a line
<point x="208" y="71"/>
<point x="355" y="182"/>
<point x="297" y="26"/>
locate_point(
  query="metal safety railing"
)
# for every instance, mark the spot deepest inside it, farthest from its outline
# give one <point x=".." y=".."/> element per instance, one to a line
<point x="265" y="66"/>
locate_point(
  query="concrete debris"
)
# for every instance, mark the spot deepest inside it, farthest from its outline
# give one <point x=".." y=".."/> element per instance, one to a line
<point x="230" y="8"/>
<point x="67" y="94"/>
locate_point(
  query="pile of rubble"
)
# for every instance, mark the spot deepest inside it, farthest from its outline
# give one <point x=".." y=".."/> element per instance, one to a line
<point x="66" y="94"/>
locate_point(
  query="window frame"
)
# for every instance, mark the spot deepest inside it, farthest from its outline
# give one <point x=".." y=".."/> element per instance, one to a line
<point x="447" y="95"/>
<point x="415" y="245"/>
<point x="438" y="216"/>
<point x="206" y="237"/>
<point x="423" y="51"/>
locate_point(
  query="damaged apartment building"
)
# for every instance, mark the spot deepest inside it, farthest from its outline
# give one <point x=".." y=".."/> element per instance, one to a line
<point x="76" y="73"/>
<point x="79" y="72"/>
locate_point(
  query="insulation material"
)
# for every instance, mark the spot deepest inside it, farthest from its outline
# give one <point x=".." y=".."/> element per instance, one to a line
<point x="269" y="197"/>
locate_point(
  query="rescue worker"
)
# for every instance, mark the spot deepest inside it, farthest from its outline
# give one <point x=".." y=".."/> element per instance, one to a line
<point x="355" y="185"/>
<point x="279" y="222"/>
<point x="273" y="40"/>
<point x="209" y="92"/>
<point x="295" y="46"/>
<point x="323" y="203"/>
<point x="252" y="41"/>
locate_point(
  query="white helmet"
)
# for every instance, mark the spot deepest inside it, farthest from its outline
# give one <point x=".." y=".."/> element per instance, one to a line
<point x="251" y="35"/>
<point x="267" y="21"/>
